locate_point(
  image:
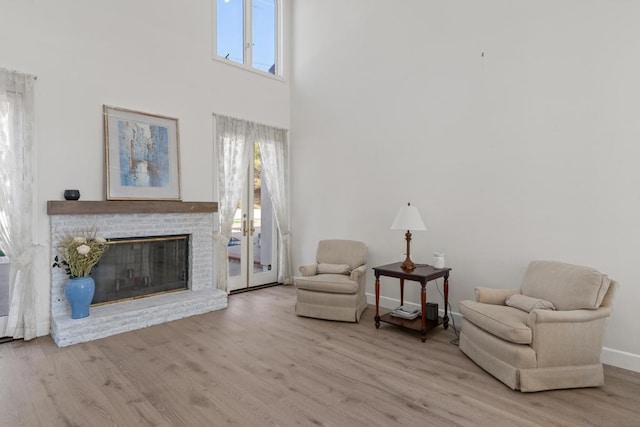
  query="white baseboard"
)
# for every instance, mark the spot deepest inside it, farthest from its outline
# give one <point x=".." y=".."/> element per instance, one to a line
<point x="609" y="356"/>
<point x="620" y="359"/>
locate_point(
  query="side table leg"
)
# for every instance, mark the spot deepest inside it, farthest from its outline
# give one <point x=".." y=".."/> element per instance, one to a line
<point x="377" y="317"/>
<point x="445" y="319"/>
<point x="423" y="306"/>
<point x="401" y="291"/>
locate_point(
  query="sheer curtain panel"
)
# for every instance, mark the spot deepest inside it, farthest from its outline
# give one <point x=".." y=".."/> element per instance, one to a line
<point x="275" y="163"/>
<point x="233" y="147"/>
<point x="17" y="199"/>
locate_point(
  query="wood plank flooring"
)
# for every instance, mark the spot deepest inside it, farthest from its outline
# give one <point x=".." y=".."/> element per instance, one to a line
<point x="258" y="364"/>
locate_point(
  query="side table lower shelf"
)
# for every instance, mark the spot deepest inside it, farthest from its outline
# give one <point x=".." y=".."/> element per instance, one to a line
<point x="413" y="324"/>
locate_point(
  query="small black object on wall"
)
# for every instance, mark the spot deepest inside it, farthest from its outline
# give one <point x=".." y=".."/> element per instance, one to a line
<point x="72" y="194"/>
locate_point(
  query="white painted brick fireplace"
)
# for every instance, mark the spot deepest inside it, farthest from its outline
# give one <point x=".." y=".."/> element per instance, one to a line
<point x="110" y="319"/>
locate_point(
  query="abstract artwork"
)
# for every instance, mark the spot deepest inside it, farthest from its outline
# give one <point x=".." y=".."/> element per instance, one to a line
<point x="142" y="158"/>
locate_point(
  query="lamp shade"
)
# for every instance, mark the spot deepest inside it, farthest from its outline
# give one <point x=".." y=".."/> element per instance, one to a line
<point x="408" y="218"/>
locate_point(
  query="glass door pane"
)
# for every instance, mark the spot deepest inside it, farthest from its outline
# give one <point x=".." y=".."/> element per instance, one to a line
<point x="4" y="285"/>
<point x="263" y="229"/>
<point x="234" y="247"/>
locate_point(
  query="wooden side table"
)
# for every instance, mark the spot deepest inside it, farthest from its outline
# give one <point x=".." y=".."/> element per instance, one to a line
<point x="422" y="275"/>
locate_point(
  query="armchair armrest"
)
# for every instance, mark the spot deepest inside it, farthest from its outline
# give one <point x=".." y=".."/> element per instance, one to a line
<point x="493" y="296"/>
<point x="309" y="270"/>
<point x="569" y="316"/>
<point x="357" y="272"/>
<point x="566" y="338"/>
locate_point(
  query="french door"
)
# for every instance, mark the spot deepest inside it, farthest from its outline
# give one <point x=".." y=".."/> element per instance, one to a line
<point x="252" y="249"/>
<point x="5" y="292"/>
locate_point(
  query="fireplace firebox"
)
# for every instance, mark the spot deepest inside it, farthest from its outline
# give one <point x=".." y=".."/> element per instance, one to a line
<point x="143" y="266"/>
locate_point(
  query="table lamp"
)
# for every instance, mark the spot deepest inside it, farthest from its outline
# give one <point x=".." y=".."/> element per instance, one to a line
<point x="408" y="218"/>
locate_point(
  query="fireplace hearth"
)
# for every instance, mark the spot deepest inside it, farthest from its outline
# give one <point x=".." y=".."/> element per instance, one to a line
<point x="179" y="233"/>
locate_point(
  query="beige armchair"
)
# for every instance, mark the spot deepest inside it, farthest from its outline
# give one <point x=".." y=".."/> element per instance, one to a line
<point x="546" y="336"/>
<point x="333" y="288"/>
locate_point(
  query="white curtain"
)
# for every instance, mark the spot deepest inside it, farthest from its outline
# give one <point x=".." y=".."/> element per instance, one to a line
<point x="275" y="166"/>
<point x="234" y="147"/>
<point x="17" y="199"/>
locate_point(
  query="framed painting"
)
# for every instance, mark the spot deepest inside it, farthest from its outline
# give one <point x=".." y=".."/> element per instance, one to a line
<point x="142" y="157"/>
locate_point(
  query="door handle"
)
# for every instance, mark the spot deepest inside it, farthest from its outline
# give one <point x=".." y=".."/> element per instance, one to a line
<point x="253" y="229"/>
<point x="244" y="227"/>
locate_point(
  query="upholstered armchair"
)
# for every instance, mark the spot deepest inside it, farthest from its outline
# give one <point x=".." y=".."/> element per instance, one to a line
<point x="548" y="335"/>
<point x="333" y="287"/>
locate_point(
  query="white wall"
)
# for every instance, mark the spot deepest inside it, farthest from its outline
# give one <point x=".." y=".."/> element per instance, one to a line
<point x="512" y="126"/>
<point x="148" y="55"/>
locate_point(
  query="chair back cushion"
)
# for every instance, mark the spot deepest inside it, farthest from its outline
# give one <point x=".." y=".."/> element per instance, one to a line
<point x="349" y="252"/>
<point x="568" y="287"/>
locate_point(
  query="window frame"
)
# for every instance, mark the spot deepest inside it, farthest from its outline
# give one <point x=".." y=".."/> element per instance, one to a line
<point x="248" y="38"/>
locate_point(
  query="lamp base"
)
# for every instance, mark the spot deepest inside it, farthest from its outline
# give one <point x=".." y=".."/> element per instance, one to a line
<point x="408" y="265"/>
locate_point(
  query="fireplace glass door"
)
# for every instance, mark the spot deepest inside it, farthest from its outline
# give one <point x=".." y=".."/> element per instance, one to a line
<point x="138" y="267"/>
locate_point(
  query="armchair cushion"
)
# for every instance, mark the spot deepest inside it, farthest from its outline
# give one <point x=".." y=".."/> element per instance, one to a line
<point x="326" y="268"/>
<point x="507" y="323"/>
<point x="329" y="283"/>
<point x="568" y="287"/>
<point x="525" y="303"/>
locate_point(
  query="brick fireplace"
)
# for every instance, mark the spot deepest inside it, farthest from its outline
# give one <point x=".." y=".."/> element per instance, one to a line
<point x="125" y="219"/>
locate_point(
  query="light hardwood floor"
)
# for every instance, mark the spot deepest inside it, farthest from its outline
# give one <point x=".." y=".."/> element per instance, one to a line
<point x="257" y="363"/>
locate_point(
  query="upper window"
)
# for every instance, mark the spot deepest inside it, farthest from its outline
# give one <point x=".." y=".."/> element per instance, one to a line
<point x="247" y="32"/>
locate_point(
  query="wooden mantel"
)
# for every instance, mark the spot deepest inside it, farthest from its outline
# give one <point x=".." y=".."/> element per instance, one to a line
<point x="63" y="207"/>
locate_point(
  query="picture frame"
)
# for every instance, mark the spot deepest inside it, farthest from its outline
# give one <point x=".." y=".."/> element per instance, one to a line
<point x="142" y="155"/>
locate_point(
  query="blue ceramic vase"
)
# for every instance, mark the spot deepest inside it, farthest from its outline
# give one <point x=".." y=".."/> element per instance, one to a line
<point x="79" y="292"/>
